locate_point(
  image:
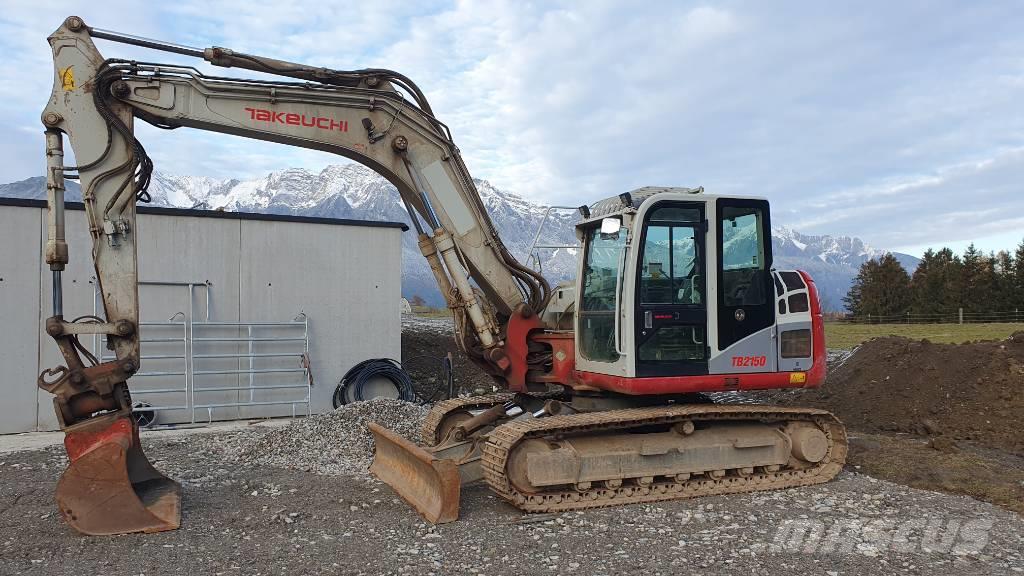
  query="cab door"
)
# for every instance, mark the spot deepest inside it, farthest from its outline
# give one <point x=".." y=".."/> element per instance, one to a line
<point x="746" y="292"/>
<point x="670" y="321"/>
<point x="599" y="300"/>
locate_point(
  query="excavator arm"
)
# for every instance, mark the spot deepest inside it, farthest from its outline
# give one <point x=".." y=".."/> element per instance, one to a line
<point x="363" y="115"/>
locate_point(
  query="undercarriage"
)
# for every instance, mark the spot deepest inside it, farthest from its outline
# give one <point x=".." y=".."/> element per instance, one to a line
<point x="541" y="454"/>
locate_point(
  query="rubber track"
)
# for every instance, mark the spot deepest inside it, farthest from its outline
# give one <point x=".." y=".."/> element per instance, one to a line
<point x="428" y="432"/>
<point x="503" y="440"/>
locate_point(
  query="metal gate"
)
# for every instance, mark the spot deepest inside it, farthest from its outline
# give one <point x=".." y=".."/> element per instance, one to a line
<point x="260" y="359"/>
<point x="229" y="370"/>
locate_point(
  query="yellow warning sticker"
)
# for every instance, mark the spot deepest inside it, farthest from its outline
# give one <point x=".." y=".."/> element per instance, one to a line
<point x="67" y="78"/>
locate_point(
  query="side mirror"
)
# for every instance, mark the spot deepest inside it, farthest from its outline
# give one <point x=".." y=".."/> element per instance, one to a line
<point x="610" y="226"/>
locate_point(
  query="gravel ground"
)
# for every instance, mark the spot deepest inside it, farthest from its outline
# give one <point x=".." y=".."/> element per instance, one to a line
<point x="296" y="499"/>
<point x="440" y="325"/>
<point x="337" y="442"/>
<point x="244" y="518"/>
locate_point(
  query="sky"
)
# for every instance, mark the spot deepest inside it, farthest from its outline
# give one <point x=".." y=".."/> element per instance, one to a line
<point x="901" y="123"/>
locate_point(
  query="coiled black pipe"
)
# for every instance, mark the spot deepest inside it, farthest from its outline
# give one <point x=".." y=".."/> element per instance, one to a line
<point x="350" y="389"/>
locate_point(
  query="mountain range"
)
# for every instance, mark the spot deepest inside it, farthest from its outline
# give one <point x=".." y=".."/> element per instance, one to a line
<point x="356" y="192"/>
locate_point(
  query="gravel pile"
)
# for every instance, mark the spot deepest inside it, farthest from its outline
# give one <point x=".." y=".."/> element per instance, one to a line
<point x="335" y="443"/>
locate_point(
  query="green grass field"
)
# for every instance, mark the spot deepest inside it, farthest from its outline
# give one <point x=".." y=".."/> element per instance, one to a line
<point x="842" y="335"/>
<point x="428" y="312"/>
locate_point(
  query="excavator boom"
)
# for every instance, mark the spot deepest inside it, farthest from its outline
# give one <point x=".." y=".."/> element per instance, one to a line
<point x="363" y="115"/>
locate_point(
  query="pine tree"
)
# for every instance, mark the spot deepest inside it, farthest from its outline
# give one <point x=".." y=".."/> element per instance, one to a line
<point x="972" y="293"/>
<point x="881" y="288"/>
<point x="894" y="282"/>
<point x="987" y="285"/>
<point x="935" y="286"/>
<point x="853" y="300"/>
<point x="1003" y="297"/>
<point x="926" y="286"/>
<point x="952" y="277"/>
<point x="1018" y="277"/>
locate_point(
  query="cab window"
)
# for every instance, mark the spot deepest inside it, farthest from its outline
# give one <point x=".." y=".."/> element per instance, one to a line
<point x="597" y="299"/>
<point x="743" y="256"/>
<point x="671" y="270"/>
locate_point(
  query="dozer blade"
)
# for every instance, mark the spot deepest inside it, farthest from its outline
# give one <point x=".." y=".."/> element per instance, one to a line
<point x="110" y="487"/>
<point x="429" y="484"/>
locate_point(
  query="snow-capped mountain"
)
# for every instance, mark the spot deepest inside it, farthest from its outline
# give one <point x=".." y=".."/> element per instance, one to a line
<point x="356" y="192"/>
<point x="832" y="261"/>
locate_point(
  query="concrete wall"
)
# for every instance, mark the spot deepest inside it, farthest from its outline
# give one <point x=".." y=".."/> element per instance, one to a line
<point x="20" y="302"/>
<point x="345" y="277"/>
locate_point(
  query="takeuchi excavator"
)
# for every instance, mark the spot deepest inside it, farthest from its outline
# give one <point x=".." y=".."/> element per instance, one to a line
<point x="605" y="380"/>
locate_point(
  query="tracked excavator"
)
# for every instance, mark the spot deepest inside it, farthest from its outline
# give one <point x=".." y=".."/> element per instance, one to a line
<point x="604" y="381"/>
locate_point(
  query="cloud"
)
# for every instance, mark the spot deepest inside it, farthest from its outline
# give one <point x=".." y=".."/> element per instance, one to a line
<point x="956" y="204"/>
<point x="877" y="120"/>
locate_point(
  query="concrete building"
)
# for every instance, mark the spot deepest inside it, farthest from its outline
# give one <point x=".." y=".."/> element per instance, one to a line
<point x="239" y="312"/>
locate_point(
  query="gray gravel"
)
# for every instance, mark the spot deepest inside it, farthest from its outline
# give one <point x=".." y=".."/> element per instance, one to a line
<point x="243" y="513"/>
<point x="335" y="443"/>
<point x="441" y="325"/>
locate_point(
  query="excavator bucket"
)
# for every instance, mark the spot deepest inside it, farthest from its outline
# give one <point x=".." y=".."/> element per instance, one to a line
<point x="110" y="487"/>
<point x="429" y="484"/>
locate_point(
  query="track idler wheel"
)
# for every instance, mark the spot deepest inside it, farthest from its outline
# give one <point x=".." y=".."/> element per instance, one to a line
<point x="110" y="487"/>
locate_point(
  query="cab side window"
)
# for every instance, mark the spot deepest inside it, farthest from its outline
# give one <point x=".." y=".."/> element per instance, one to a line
<point x="743" y="257"/>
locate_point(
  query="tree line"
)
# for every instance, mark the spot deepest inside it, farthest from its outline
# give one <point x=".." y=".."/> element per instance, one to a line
<point x="942" y="284"/>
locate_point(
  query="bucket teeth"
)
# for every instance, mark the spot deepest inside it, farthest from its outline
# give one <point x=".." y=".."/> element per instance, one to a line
<point x="110" y="487"/>
<point x="430" y="485"/>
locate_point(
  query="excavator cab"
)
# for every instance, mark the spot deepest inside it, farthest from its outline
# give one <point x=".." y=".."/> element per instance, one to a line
<point x="682" y="297"/>
<point x="685" y="277"/>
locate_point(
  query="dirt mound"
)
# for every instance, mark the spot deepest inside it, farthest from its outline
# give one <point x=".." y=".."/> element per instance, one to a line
<point x="972" y="392"/>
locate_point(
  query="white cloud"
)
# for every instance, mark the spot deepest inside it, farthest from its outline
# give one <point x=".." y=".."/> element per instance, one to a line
<point x="956" y="204"/>
<point x="853" y="119"/>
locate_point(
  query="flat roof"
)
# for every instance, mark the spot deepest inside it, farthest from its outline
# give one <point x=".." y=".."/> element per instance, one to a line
<point x="160" y="210"/>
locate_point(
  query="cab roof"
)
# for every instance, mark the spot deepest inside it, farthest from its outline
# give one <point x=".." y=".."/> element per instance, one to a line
<point x="633" y="199"/>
